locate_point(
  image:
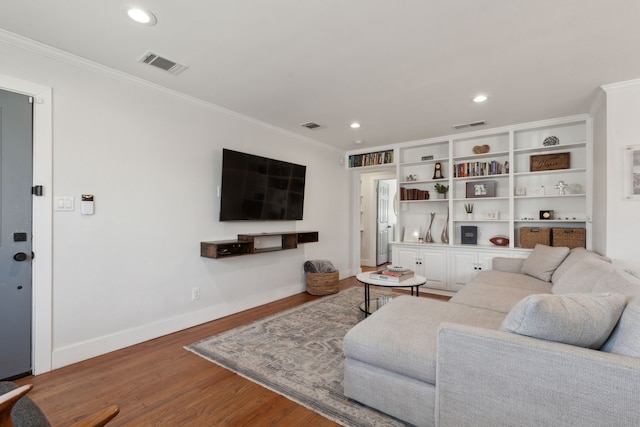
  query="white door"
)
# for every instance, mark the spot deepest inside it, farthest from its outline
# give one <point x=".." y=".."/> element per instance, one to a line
<point x="16" y="180"/>
<point x="382" y="221"/>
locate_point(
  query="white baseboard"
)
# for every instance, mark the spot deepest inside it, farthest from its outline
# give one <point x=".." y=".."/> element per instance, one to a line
<point x="105" y="344"/>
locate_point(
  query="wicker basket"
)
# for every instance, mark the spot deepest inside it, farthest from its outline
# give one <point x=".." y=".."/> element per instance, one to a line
<point x="569" y="237"/>
<point x="322" y="283"/>
<point x="530" y="236"/>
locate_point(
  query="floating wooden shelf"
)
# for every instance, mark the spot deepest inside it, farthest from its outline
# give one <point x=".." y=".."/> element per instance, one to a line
<point x="248" y="244"/>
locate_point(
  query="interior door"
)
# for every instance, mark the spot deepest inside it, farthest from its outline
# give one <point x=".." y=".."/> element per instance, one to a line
<point x="16" y="177"/>
<point x="382" y="241"/>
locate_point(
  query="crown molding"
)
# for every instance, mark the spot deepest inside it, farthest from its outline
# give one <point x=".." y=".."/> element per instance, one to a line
<point x="83" y="63"/>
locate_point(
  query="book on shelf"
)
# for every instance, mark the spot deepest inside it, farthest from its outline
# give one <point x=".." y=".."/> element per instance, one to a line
<point x="392" y="276"/>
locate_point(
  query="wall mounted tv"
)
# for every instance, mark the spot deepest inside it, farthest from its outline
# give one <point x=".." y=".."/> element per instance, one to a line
<point x="256" y="188"/>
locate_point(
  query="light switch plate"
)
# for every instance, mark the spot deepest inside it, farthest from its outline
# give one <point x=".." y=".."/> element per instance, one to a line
<point x="64" y="204"/>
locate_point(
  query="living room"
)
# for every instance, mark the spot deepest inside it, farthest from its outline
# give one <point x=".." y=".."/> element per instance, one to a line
<point x="151" y="157"/>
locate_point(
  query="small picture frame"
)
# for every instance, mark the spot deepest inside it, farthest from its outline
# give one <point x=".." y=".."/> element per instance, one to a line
<point x="411" y="234"/>
<point x="476" y="189"/>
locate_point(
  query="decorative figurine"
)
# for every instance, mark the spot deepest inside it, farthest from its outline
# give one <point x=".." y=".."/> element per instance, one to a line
<point x="560" y="186"/>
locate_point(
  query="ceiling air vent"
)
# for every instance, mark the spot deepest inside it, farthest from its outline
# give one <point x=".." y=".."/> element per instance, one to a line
<point x="472" y="124"/>
<point x="162" y="63"/>
<point x="311" y="125"/>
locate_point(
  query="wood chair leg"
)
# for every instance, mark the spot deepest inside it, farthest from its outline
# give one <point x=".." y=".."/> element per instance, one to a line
<point x="8" y="400"/>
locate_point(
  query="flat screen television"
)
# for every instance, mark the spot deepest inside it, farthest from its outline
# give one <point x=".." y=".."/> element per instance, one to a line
<point x="256" y="188"/>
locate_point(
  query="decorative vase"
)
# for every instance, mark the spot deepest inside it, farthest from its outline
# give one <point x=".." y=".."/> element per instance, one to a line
<point x="469" y="215"/>
<point x="429" y="237"/>
<point x="442" y="195"/>
<point x="445" y="231"/>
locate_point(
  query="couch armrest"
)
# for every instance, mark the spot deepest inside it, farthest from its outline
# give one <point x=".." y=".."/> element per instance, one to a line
<point x="487" y="377"/>
<point x="510" y="265"/>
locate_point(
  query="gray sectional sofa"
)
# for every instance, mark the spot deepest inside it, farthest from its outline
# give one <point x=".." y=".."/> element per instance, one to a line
<point x="553" y="339"/>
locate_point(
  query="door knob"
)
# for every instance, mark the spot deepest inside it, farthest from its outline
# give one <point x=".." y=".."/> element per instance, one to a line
<point x="20" y="256"/>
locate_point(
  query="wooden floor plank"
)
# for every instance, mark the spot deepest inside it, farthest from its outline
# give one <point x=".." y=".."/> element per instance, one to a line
<point x="159" y="383"/>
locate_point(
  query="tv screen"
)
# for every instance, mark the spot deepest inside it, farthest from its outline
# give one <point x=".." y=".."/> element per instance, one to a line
<point x="260" y="189"/>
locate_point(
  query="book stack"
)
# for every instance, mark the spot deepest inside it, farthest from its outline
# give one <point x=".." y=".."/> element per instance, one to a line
<point x="394" y="276"/>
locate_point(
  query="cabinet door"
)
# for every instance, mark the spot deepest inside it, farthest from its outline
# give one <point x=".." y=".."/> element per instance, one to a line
<point x="485" y="260"/>
<point x="434" y="268"/>
<point x="407" y="257"/>
<point x="464" y="266"/>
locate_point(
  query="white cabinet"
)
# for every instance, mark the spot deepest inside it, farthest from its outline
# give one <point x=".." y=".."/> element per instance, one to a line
<point x="465" y="264"/>
<point x="448" y="267"/>
<point x="427" y="262"/>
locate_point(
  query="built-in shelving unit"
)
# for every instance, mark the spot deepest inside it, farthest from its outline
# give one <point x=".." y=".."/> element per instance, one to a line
<point x="491" y="169"/>
<point x="250" y="244"/>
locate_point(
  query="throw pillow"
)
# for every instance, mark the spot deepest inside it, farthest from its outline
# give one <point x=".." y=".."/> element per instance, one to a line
<point x="543" y="261"/>
<point x="625" y="338"/>
<point x="584" y="320"/>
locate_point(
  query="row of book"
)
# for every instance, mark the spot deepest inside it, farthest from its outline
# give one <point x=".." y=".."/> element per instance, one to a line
<point x="371" y="159"/>
<point x="413" y="194"/>
<point x="393" y="276"/>
<point x="463" y="170"/>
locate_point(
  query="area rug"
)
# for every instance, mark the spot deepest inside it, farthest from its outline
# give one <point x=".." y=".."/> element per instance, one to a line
<point x="298" y="354"/>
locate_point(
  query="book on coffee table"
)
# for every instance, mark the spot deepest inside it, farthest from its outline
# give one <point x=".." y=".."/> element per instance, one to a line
<point x="392" y="276"/>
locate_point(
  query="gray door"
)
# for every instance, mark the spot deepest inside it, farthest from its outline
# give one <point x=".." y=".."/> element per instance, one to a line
<point x="16" y="176"/>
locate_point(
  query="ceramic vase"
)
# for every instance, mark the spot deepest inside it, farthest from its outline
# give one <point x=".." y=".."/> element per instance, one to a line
<point x="429" y="237"/>
<point x="445" y="231"/>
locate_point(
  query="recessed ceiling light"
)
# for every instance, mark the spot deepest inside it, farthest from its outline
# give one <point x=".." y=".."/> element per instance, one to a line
<point x="359" y="141"/>
<point x="355" y="125"/>
<point x="140" y="15"/>
<point x="480" y="98"/>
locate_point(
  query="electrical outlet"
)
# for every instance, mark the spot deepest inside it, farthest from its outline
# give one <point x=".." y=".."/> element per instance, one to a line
<point x="195" y="293"/>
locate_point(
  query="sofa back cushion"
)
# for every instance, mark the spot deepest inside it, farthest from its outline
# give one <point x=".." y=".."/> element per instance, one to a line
<point x="584" y="320"/>
<point x="575" y="255"/>
<point x="581" y="277"/>
<point x="625" y="338"/>
<point x="543" y="261"/>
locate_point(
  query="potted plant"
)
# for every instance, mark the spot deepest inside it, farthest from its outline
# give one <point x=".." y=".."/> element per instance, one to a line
<point x="468" y="207"/>
<point x="442" y="190"/>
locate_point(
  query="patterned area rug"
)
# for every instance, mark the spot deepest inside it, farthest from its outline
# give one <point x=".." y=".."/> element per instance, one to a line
<point x="298" y="354"/>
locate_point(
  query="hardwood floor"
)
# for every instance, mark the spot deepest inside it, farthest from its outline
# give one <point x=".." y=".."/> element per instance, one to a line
<point x="159" y="383"/>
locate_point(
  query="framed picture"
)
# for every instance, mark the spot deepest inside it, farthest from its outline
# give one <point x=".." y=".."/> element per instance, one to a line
<point x="632" y="172"/>
<point x="411" y="234"/>
<point x="477" y="189"/>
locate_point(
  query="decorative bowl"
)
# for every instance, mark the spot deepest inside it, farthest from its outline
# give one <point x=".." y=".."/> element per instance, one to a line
<point x="396" y="268"/>
<point x="499" y="241"/>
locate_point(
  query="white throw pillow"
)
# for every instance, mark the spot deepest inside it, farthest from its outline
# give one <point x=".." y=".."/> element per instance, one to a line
<point x="543" y="261"/>
<point x="584" y="320"/>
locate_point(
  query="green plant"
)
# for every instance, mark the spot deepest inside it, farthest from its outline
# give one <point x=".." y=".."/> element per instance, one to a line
<point x="442" y="189"/>
<point x="468" y="207"/>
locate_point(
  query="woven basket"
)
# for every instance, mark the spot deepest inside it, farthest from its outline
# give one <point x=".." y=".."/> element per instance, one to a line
<point x="322" y="283"/>
<point x="569" y="237"/>
<point x="530" y="236"/>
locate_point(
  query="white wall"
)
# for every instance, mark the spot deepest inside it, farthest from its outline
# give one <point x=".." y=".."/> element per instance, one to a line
<point x="622" y="228"/>
<point x="152" y="160"/>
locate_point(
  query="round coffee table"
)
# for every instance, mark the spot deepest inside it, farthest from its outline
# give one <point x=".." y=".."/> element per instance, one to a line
<point x="414" y="283"/>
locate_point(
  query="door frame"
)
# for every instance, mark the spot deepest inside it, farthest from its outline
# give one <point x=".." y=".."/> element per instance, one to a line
<point x="42" y="231"/>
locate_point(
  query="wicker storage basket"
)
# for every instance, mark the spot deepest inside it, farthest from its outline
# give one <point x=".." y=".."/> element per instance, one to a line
<point x="530" y="236"/>
<point x="569" y="237"/>
<point x="322" y="283"/>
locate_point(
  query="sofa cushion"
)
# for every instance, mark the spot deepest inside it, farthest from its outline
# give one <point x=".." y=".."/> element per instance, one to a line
<point x="401" y="336"/>
<point x="581" y="277"/>
<point x="494" y="297"/>
<point x="625" y="338"/>
<point x="543" y="261"/>
<point x="618" y="281"/>
<point x="584" y="320"/>
<point x="575" y="255"/>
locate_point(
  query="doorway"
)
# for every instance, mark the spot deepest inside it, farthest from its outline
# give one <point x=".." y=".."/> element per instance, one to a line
<point x="16" y="181"/>
<point x="378" y="218"/>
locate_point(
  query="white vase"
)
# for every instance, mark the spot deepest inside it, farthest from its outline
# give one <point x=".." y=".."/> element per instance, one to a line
<point x="469" y="215"/>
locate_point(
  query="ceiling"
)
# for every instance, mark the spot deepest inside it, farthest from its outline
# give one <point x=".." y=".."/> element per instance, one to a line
<point x="404" y="69"/>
